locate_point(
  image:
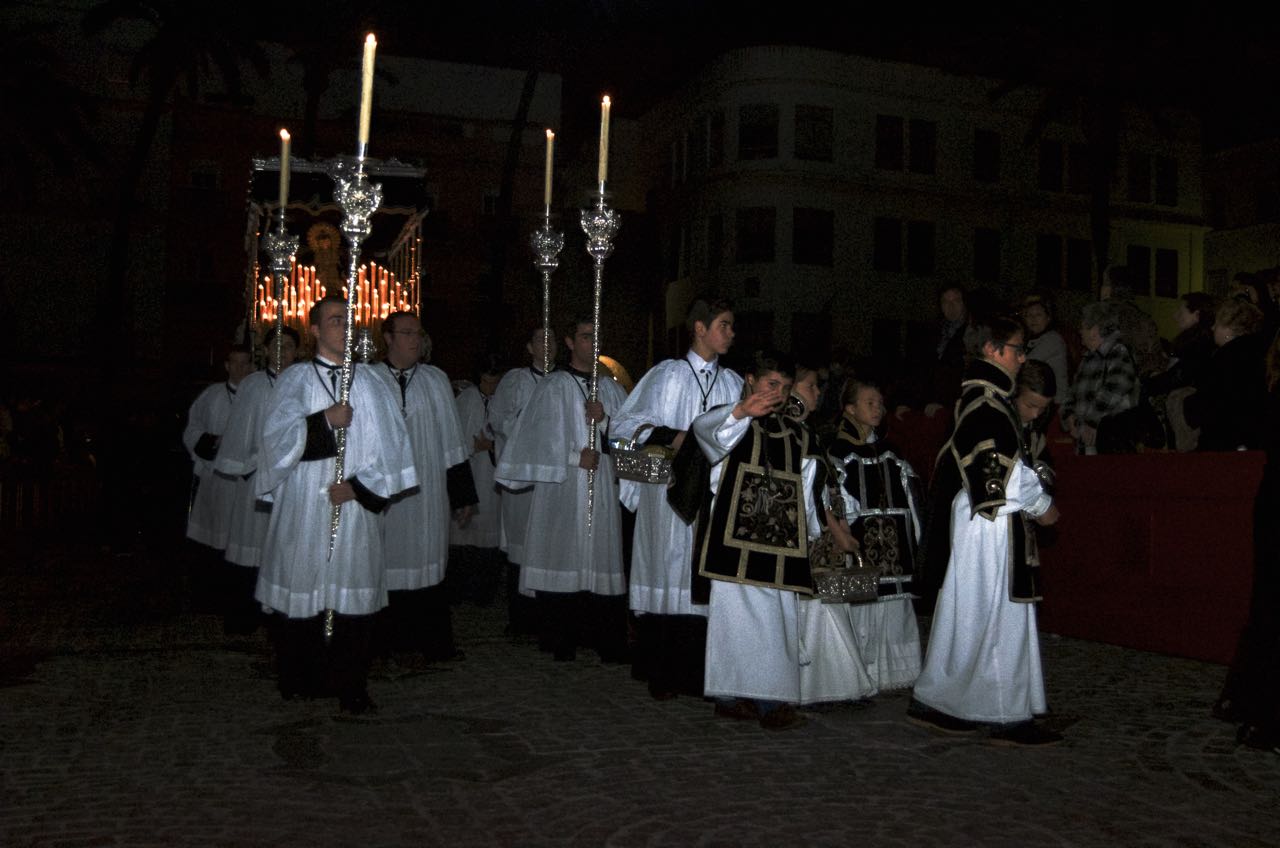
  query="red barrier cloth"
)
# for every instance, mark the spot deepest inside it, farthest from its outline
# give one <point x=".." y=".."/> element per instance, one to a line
<point x="1153" y="551"/>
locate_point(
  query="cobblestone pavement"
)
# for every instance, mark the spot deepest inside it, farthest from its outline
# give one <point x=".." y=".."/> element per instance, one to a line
<point x="127" y="720"/>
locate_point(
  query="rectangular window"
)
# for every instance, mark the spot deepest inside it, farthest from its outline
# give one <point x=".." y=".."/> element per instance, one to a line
<point x="755" y="234"/>
<point x="1078" y="169"/>
<point x="1166" y="181"/>
<point x="986" y="255"/>
<point x="920" y="247"/>
<point x="890" y="144"/>
<point x="1079" y="265"/>
<point x="715" y="139"/>
<point x="715" y="241"/>
<point x="1049" y="261"/>
<point x="1138" y="262"/>
<point x="696" y="149"/>
<point x="986" y="156"/>
<point x="1139" y="178"/>
<point x="887" y="250"/>
<point x="813" y="237"/>
<point x="814" y="132"/>
<point x="758" y="131"/>
<point x="1166" y="272"/>
<point x="922" y="144"/>
<point x="1049" y="174"/>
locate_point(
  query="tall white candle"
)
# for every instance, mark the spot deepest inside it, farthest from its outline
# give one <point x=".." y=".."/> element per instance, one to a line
<point x="284" y="168"/>
<point x="366" y="90"/>
<point x="546" y="185"/>
<point x="604" y="139"/>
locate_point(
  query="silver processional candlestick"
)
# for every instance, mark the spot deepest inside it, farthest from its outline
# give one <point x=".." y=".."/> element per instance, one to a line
<point x="547" y="244"/>
<point x="600" y="224"/>
<point x="359" y="199"/>
<point x="280" y="247"/>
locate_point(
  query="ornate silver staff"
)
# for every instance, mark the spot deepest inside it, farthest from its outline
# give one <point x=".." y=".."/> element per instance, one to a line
<point x="547" y="244"/>
<point x="359" y="199"/>
<point x="600" y="224"/>
<point x="280" y="247"/>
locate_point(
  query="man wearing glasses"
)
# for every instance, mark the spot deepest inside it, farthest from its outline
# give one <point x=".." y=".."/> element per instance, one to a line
<point x="301" y="577"/>
<point x="983" y="662"/>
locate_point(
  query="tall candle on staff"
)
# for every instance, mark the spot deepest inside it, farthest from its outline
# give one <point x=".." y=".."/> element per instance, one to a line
<point x="546" y="185"/>
<point x="284" y="169"/>
<point x="366" y="94"/>
<point x="604" y="141"/>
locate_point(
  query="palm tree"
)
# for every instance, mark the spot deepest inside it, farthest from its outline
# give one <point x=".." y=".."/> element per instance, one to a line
<point x="191" y="41"/>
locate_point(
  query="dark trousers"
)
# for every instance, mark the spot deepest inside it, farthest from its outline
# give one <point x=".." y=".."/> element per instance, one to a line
<point x="475" y="574"/>
<point x="671" y="653"/>
<point x="522" y="612"/>
<point x="309" y="667"/>
<point x="418" y="621"/>
<point x="572" y="620"/>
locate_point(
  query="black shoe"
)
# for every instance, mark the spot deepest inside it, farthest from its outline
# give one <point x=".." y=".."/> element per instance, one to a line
<point x="1024" y="734"/>
<point x="918" y="713"/>
<point x="739" y="710"/>
<point x="357" y="703"/>
<point x="1224" y="709"/>
<point x="784" y="717"/>
<point x="1253" y="736"/>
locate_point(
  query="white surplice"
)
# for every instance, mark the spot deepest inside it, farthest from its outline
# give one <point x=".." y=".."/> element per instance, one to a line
<point x="482" y="529"/>
<point x="544" y="449"/>
<point x="297" y="576"/>
<point x="983" y="660"/>
<point x="753" y="632"/>
<point x="210" y="518"/>
<point x="671" y="395"/>
<point x="238" y="458"/>
<point x="509" y="400"/>
<point x="831" y="664"/>
<point x="416" y="528"/>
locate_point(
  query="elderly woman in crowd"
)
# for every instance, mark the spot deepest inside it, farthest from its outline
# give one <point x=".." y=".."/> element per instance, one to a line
<point x="1044" y="343"/>
<point x="1106" y="382"/>
<point x="1230" y="399"/>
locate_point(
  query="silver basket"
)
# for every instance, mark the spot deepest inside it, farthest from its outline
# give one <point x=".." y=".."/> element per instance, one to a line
<point x="856" y="584"/>
<point x="641" y="463"/>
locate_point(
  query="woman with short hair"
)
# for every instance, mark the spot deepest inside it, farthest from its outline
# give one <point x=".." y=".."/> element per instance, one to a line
<point x="1107" y="381"/>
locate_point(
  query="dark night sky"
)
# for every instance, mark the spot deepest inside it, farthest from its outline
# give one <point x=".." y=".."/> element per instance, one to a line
<point x="1201" y="56"/>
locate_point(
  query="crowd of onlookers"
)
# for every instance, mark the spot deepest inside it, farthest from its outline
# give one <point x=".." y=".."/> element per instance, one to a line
<point x="1121" y="386"/>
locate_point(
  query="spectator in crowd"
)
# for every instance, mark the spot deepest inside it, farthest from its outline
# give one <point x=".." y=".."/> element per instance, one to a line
<point x="1137" y="329"/>
<point x="1256" y="289"/>
<point x="1044" y="342"/>
<point x="1229" y="402"/>
<point x="1106" y="382"/>
<point x="1251" y="694"/>
<point x="1192" y="349"/>
<point x="933" y="374"/>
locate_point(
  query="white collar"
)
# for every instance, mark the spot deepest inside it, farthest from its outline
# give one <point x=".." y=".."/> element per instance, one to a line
<point x="699" y="363"/>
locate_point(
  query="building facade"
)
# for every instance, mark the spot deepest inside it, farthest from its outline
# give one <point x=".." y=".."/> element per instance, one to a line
<point x="832" y="196"/>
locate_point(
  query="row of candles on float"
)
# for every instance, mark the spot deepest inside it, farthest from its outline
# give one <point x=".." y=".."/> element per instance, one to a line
<point x="378" y="294"/>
